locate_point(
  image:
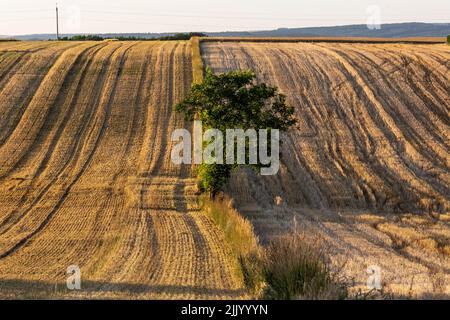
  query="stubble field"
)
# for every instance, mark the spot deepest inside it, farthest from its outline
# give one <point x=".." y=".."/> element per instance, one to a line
<point x="367" y="169"/>
<point x="86" y="178"/>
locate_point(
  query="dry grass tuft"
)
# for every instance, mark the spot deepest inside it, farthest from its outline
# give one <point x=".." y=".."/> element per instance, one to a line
<point x="293" y="267"/>
<point x="238" y="230"/>
<point x="290" y="267"/>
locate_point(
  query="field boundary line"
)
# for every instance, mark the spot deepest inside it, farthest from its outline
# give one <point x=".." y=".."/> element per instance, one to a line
<point x="197" y="62"/>
<point x="430" y="40"/>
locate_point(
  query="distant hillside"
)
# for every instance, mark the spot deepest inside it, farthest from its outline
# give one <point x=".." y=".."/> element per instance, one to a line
<point x="395" y="30"/>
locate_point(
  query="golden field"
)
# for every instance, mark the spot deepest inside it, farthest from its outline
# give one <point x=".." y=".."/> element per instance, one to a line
<point x="367" y="168"/>
<point x="86" y="177"/>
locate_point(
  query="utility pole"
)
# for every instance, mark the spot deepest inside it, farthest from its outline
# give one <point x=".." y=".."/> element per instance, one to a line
<point x="57" y="23"/>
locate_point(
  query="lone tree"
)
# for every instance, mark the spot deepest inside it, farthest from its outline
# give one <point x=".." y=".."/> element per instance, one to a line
<point x="233" y="100"/>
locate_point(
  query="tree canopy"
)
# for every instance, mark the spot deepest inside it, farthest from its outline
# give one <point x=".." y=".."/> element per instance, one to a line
<point x="234" y="100"/>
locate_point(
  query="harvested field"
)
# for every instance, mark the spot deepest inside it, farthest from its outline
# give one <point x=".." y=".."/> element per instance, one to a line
<point x="86" y="177"/>
<point x="368" y="166"/>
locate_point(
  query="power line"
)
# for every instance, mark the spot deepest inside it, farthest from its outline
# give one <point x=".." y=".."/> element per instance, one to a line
<point x="307" y="17"/>
<point x="24" y="11"/>
<point x="189" y="15"/>
<point x="197" y="16"/>
<point x="95" y="16"/>
<point x="28" y="19"/>
<point x="157" y="23"/>
<point x="8" y="20"/>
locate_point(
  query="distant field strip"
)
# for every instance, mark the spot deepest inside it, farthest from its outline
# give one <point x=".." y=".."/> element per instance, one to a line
<point x="421" y="40"/>
<point x="86" y="177"/>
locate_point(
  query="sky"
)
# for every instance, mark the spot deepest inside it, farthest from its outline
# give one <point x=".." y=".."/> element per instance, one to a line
<point x="19" y="17"/>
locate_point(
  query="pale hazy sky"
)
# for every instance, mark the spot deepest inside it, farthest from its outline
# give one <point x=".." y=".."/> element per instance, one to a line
<point x="101" y="16"/>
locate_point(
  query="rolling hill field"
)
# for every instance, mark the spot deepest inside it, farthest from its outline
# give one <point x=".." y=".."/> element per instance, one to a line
<point x="371" y="148"/>
<point x="86" y="178"/>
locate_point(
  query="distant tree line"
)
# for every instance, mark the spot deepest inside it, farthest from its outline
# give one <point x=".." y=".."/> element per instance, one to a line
<point x="177" y="36"/>
<point x="82" y="38"/>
